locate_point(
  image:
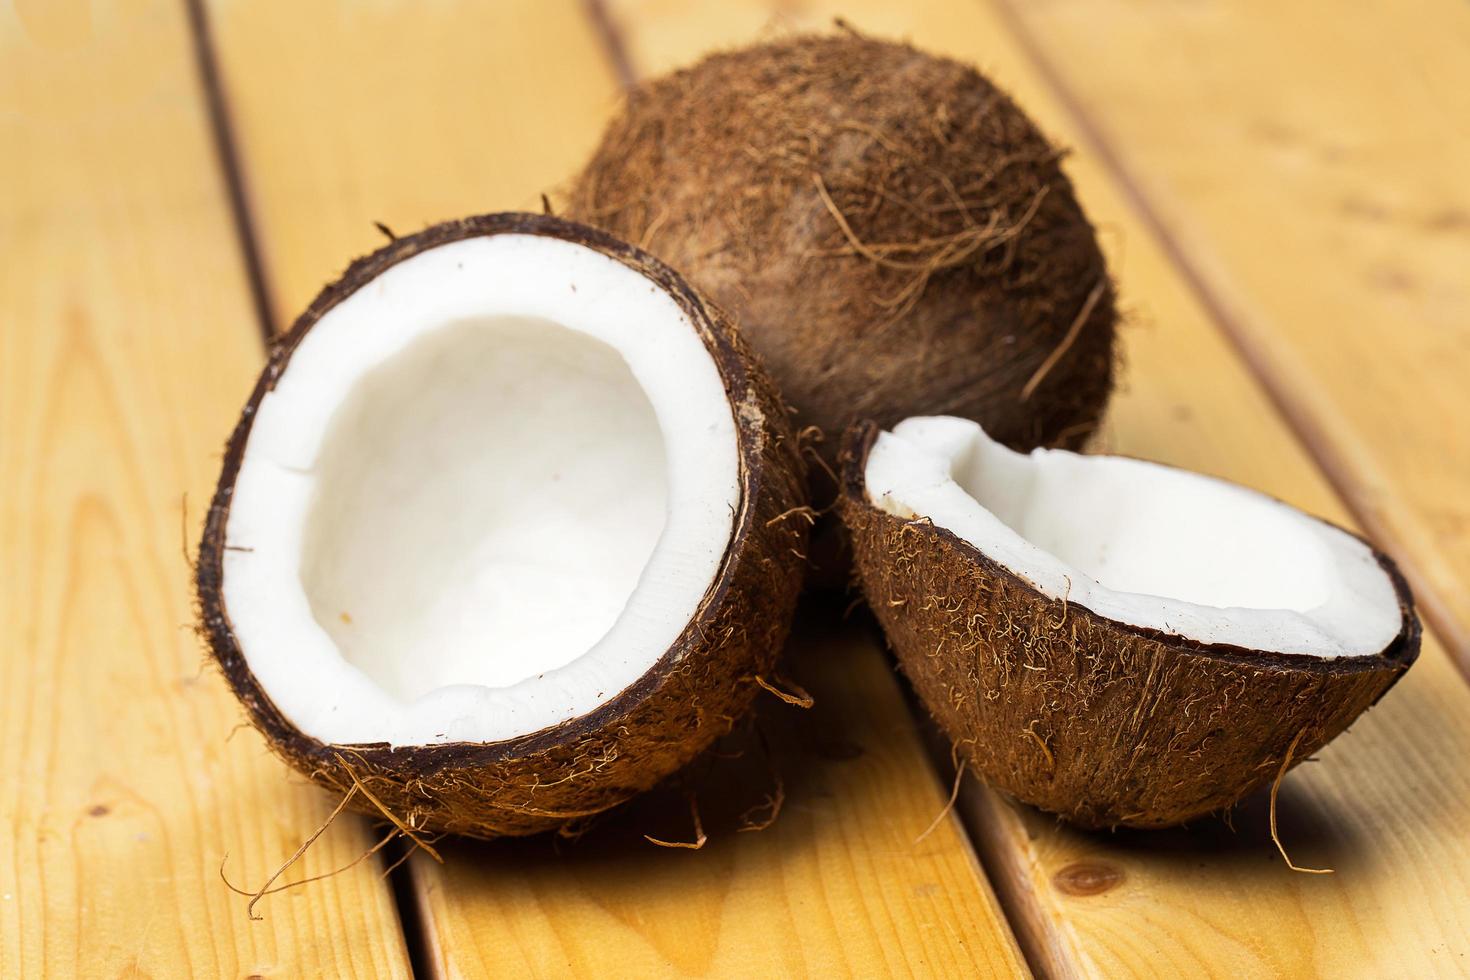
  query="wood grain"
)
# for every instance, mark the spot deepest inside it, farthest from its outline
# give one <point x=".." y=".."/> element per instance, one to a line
<point x="1384" y="803"/>
<point x="484" y="107"/>
<point x="840" y="885"/>
<point x="403" y="113"/>
<point x="1312" y="178"/>
<point x="127" y="344"/>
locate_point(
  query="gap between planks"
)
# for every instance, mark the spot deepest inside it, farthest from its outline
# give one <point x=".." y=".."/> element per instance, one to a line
<point x="610" y="36"/>
<point x="229" y="163"/>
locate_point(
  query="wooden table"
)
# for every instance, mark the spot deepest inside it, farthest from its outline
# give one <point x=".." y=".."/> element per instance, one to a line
<point x="1283" y="193"/>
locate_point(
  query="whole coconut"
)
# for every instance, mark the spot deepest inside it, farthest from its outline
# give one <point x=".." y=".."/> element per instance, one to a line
<point x="892" y="233"/>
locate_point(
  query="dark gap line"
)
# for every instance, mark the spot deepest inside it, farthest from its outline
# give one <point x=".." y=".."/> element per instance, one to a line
<point x="613" y="44"/>
<point x="229" y="163"/>
<point x="413" y="921"/>
<point x="1310" y="434"/>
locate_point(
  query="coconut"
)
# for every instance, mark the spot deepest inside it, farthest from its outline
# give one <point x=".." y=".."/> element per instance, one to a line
<point x="507" y="532"/>
<point x="891" y="232"/>
<point x="1115" y="641"/>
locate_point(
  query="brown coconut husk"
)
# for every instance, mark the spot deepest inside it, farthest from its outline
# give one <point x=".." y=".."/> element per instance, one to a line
<point x="891" y="232"/>
<point x="1104" y="723"/>
<point x="691" y="696"/>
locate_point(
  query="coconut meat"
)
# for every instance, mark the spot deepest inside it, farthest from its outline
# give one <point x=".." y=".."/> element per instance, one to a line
<point x="487" y="493"/>
<point x="1143" y="544"/>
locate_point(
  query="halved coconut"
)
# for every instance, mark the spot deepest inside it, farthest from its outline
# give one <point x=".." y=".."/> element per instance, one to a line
<point x="500" y="532"/>
<point x="1116" y="641"/>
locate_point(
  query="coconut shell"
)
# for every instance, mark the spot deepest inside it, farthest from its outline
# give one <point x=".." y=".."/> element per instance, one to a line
<point x="691" y="696"/>
<point x="890" y="231"/>
<point x="1104" y="723"/>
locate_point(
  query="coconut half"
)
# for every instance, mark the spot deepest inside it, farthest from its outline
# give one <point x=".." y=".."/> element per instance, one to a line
<point x="1116" y="641"/>
<point x="499" y="532"/>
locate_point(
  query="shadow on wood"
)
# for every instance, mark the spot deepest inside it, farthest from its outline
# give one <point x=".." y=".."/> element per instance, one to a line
<point x="838" y="884"/>
<point x="783" y="762"/>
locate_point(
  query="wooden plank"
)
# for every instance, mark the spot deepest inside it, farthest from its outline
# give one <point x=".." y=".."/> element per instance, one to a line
<point x="496" y="103"/>
<point x="1384" y="805"/>
<point x="1307" y="162"/>
<point x="127" y="345"/>
<point x="838" y="886"/>
<point x="403" y="113"/>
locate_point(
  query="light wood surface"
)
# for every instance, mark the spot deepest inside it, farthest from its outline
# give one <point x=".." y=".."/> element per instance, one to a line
<point x="346" y="114"/>
<point x="1312" y="175"/>
<point x="1385" y="803"/>
<point x="1294" y="190"/>
<point x="127" y="345"/>
<point x="839" y="886"/>
<point x="513" y="96"/>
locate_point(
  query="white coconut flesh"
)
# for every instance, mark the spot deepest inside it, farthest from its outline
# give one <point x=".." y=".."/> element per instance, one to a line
<point x="1142" y="544"/>
<point x="488" y="492"/>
